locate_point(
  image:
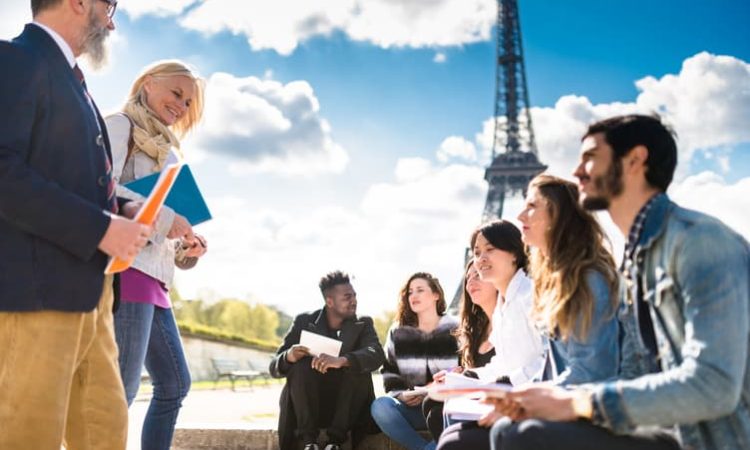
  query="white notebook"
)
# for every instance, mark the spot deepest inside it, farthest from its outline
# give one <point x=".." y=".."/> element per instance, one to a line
<point x="318" y="344"/>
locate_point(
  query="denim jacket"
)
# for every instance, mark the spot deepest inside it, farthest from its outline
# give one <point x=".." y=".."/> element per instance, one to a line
<point x="597" y="357"/>
<point x="695" y="274"/>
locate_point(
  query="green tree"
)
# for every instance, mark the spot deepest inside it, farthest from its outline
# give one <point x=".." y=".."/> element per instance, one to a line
<point x="263" y="322"/>
<point x="285" y="321"/>
<point x="383" y="323"/>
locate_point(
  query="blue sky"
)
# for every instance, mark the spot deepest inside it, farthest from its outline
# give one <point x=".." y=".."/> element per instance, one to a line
<point x="352" y="134"/>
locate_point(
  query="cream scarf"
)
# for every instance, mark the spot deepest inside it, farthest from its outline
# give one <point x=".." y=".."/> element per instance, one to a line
<point x="150" y="135"/>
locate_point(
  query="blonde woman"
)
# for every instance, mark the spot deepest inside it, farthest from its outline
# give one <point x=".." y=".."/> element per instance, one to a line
<point x="165" y="102"/>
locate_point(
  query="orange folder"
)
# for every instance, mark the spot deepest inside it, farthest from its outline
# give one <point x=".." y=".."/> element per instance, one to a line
<point x="150" y="210"/>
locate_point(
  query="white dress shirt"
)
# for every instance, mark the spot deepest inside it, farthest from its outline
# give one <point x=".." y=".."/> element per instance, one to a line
<point x="520" y="349"/>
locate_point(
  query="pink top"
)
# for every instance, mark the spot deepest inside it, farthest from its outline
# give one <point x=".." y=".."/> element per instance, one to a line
<point x="137" y="287"/>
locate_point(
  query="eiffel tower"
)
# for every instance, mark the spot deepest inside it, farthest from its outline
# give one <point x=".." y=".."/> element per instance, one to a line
<point x="514" y="153"/>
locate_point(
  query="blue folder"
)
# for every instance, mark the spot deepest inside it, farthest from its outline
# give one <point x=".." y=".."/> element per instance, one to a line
<point x="185" y="197"/>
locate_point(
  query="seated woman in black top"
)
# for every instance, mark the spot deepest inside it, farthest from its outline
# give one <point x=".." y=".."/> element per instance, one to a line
<point x="478" y="301"/>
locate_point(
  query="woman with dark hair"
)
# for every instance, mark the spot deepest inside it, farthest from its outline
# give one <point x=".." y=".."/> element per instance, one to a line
<point x="419" y="344"/>
<point x="500" y="258"/>
<point x="520" y="349"/>
<point x="478" y="302"/>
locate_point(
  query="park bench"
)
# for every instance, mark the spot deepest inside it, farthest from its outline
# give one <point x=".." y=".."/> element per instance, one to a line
<point x="230" y="368"/>
<point x="262" y="373"/>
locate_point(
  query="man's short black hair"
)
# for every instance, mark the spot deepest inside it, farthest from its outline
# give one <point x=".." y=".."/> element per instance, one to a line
<point x="332" y="279"/>
<point x="622" y="133"/>
<point x="40" y="5"/>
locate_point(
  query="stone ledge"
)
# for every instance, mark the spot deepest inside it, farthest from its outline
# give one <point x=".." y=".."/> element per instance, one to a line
<point x="245" y="437"/>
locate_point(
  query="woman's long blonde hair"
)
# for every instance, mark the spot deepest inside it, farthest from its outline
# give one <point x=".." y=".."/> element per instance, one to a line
<point x="563" y="302"/>
<point x="165" y="69"/>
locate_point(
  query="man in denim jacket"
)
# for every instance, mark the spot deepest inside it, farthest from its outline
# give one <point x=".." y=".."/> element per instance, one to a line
<point x="685" y="303"/>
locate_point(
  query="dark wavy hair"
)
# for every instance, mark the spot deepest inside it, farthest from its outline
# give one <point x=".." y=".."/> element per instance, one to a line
<point x="404" y="314"/>
<point x="473" y="327"/>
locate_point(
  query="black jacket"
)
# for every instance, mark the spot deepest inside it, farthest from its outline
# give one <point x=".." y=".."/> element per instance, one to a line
<point x="359" y="344"/>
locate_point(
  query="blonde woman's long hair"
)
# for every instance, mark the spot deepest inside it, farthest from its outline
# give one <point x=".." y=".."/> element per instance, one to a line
<point x="563" y="302"/>
<point x="165" y="69"/>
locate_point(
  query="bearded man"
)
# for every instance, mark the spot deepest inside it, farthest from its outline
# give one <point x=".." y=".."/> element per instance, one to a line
<point x="59" y="222"/>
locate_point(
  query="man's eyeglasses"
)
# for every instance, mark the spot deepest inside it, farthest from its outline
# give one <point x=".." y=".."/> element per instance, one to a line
<point x="111" y="7"/>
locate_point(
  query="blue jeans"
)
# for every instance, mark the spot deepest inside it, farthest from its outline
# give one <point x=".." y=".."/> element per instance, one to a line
<point x="401" y="422"/>
<point x="148" y="334"/>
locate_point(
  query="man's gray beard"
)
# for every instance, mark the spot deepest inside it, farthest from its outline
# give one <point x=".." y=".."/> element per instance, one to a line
<point x="94" y="47"/>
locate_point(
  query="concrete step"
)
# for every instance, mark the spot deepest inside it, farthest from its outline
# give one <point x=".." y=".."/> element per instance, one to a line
<point x="243" y="437"/>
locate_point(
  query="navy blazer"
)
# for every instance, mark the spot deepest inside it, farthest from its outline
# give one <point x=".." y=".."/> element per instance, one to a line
<point x="53" y="184"/>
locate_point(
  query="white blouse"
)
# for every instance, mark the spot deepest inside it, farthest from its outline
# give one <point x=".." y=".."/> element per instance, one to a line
<point x="520" y="349"/>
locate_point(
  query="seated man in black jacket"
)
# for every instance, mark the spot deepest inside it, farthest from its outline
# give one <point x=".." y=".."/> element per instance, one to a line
<point x="328" y="391"/>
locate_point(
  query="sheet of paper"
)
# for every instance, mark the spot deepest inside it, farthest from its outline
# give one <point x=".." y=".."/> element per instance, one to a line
<point x="318" y="344"/>
<point x="467" y="387"/>
<point x="465" y="408"/>
<point x="417" y="391"/>
<point x="458" y="380"/>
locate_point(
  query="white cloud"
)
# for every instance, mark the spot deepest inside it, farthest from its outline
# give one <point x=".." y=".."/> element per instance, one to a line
<point x="279" y="25"/>
<point x="15" y="14"/>
<point x="161" y="8"/>
<point x="707" y="104"/>
<point x="415" y="224"/>
<point x="411" y="169"/>
<point x="422" y="219"/>
<point x="422" y="23"/>
<point x="267" y="126"/>
<point x="440" y="58"/>
<point x="708" y="101"/>
<point x="283" y="24"/>
<point x="456" y="147"/>
<point x="709" y="193"/>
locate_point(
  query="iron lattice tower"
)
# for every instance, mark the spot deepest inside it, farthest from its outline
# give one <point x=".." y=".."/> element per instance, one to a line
<point x="514" y="153"/>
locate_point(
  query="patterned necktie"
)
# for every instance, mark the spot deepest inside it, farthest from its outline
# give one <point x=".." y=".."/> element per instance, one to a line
<point x="107" y="179"/>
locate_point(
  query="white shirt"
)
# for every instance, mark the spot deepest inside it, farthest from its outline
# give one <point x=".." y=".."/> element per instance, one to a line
<point x="520" y="349"/>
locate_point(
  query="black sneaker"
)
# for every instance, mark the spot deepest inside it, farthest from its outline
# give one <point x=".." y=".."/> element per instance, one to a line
<point x="312" y="446"/>
<point x="332" y="447"/>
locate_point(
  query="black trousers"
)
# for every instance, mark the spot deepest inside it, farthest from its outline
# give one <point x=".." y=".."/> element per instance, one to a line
<point x="334" y="400"/>
<point x="537" y="434"/>
<point x="465" y="435"/>
<point x="432" y="410"/>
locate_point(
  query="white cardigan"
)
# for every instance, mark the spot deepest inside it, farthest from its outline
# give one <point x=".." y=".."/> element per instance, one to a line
<point x="157" y="258"/>
<point x="520" y="349"/>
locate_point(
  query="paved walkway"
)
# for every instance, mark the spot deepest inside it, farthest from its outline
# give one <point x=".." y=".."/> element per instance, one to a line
<point x="257" y="408"/>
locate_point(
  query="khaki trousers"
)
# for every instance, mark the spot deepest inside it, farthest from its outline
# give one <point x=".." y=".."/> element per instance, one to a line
<point x="59" y="380"/>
